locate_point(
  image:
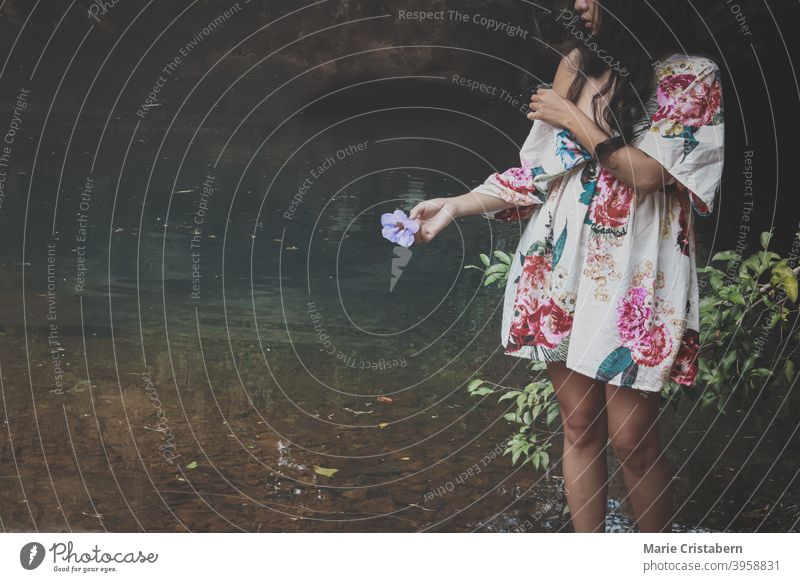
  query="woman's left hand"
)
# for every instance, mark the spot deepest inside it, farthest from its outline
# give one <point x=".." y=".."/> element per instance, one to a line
<point x="552" y="108"/>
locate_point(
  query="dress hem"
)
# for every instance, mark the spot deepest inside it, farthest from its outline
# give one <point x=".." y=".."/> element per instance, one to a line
<point x="583" y="372"/>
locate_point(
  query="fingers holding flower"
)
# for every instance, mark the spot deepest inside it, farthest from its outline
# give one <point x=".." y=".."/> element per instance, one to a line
<point x="433" y="217"/>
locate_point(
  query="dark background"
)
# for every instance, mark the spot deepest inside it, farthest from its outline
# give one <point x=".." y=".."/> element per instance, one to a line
<point x="120" y="55"/>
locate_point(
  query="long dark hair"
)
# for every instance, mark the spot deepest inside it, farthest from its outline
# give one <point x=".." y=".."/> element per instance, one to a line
<point x="633" y="36"/>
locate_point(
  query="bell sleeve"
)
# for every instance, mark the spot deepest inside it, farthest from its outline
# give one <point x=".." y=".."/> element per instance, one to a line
<point x="546" y="156"/>
<point x="516" y="186"/>
<point x="686" y="134"/>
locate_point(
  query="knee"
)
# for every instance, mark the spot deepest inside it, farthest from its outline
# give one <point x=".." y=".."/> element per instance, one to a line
<point x="583" y="430"/>
<point x="634" y="452"/>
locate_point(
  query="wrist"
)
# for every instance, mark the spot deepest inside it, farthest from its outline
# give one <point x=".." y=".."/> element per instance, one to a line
<point x="576" y="118"/>
<point x="453" y="207"/>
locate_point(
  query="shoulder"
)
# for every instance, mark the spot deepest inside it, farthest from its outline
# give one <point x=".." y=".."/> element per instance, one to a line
<point x="568" y="67"/>
<point x="570" y="63"/>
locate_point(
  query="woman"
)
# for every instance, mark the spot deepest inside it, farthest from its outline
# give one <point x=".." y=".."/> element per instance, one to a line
<point x="624" y="149"/>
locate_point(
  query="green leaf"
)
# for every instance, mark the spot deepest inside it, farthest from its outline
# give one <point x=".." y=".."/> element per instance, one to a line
<point x="474" y="384"/>
<point x="325" y="472"/>
<point x="497" y="269"/>
<point x="536" y="459"/>
<point x="790" y="284"/>
<point x="765" y="238"/>
<point x="545" y="459"/>
<point x="485" y="259"/>
<point x="736" y="297"/>
<point x="504" y="257"/>
<point x="724" y="256"/>
<point x="552" y="415"/>
<point x="753" y="263"/>
<point x="727" y="360"/>
<point x="768" y="257"/>
<point x="193" y="465"/>
<point x="788" y="370"/>
<point x="509" y="395"/>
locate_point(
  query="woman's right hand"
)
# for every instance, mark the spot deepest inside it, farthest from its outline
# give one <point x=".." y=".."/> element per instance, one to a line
<point x="433" y="216"/>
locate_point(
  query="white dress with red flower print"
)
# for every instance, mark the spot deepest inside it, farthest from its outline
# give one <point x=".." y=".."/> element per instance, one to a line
<point x="604" y="277"/>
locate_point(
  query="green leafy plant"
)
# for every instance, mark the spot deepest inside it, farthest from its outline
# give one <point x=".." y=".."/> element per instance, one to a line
<point x="746" y="311"/>
<point x="494" y="273"/>
<point x="532" y="408"/>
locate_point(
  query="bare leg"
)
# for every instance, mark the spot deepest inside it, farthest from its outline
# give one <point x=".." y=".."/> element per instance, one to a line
<point x="583" y="416"/>
<point x="633" y="428"/>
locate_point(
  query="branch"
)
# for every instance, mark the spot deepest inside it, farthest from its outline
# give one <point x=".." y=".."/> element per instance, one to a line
<point x="768" y="286"/>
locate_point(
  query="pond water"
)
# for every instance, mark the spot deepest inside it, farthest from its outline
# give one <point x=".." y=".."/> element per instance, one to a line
<point x="206" y="334"/>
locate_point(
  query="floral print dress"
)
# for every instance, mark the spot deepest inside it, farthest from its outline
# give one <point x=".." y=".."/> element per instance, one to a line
<point x="604" y="276"/>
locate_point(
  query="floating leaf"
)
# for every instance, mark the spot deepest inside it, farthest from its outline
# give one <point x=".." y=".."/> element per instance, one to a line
<point x="81" y="385"/>
<point x="384" y="400"/>
<point x="193" y="465"/>
<point x="325" y="472"/>
<point x="383" y="425"/>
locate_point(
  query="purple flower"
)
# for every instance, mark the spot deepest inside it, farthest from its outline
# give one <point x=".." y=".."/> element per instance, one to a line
<point x="399" y="228"/>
